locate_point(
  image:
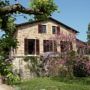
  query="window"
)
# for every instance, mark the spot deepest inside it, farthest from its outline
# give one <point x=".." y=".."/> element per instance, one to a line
<point x="41" y="28"/>
<point x="55" y="30"/>
<point x="65" y="46"/>
<point x="49" y="46"/>
<point x="31" y="46"/>
<point x="81" y="50"/>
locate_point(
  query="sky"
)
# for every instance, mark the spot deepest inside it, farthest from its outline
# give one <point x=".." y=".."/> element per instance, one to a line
<point x="74" y="13"/>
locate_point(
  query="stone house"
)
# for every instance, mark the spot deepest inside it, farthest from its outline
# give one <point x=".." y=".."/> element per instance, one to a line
<point x="34" y="36"/>
<point x="38" y="37"/>
<point x="82" y="47"/>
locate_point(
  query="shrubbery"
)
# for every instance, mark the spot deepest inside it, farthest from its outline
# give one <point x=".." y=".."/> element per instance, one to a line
<point x="64" y="65"/>
<point x="6" y="74"/>
<point x="69" y="64"/>
<point x="82" y="67"/>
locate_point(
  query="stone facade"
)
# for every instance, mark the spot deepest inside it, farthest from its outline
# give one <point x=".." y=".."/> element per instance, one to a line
<point x="30" y="31"/>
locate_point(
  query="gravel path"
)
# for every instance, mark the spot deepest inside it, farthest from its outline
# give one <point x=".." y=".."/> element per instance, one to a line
<point x="5" y="87"/>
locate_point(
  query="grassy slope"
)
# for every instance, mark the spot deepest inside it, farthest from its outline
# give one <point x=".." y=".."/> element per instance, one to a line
<point x="55" y="84"/>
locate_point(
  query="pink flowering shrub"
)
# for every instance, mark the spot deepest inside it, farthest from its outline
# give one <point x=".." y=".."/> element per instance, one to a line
<point x="68" y="64"/>
<point x="56" y="67"/>
<point x="53" y="64"/>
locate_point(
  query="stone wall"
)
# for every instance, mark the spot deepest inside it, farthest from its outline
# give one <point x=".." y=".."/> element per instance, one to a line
<point x="22" y="68"/>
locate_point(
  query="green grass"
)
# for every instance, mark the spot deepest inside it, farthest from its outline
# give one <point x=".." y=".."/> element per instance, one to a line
<point x="56" y="84"/>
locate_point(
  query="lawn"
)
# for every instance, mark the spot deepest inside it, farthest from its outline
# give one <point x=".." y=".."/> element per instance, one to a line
<point x="46" y="83"/>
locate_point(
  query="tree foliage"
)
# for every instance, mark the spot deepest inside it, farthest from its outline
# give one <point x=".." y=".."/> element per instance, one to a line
<point x="88" y="34"/>
<point x="41" y="9"/>
<point x="46" y="6"/>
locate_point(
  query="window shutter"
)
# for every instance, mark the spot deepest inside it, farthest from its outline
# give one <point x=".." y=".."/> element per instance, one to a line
<point x="37" y="46"/>
<point x="39" y="28"/>
<point x="58" y="29"/>
<point x="26" y="46"/>
<point x="62" y="46"/>
<point x="55" y="46"/>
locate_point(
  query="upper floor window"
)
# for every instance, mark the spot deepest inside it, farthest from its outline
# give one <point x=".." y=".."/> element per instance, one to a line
<point x="42" y="28"/>
<point x="55" y="30"/>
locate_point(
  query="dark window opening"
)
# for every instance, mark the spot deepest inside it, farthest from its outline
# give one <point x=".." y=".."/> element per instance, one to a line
<point x="49" y="46"/>
<point x="65" y="46"/>
<point x="55" y="30"/>
<point x="42" y="28"/>
<point x="31" y="46"/>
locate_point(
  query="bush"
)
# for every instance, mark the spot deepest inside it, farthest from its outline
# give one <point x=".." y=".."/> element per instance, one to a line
<point x="12" y="79"/>
<point x="69" y="64"/>
<point x="7" y="76"/>
<point x="53" y="64"/>
<point x="82" y="67"/>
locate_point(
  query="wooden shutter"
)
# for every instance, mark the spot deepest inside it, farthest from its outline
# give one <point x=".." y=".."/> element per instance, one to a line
<point x="37" y="47"/>
<point x="58" y="29"/>
<point x="50" y="45"/>
<point x="62" y="44"/>
<point x="55" y="46"/>
<point x="39" y="28"/>
<point x="26" y="46"/>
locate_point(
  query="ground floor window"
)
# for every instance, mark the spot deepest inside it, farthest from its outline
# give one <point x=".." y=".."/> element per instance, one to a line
<point x="65" y="46"/>
<point x="82" y="50"/>
<point x="49" y="46"/>
<point x="31" y="46"/>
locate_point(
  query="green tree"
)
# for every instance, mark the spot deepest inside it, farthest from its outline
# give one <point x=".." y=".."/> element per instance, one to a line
<point x="88" y="34"/>
<point x="41" y="9"/>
